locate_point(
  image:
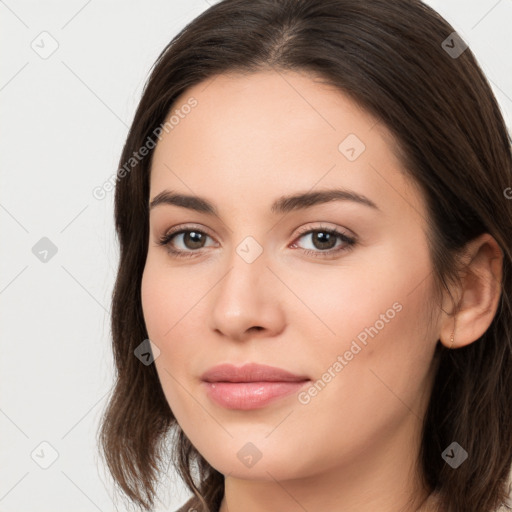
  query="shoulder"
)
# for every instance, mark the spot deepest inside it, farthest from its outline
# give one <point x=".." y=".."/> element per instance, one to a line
<point x="506" y="506"/>
<point x="192" y="505"/>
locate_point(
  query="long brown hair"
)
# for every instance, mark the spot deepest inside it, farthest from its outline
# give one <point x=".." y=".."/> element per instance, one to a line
<point x="402" y="62"/>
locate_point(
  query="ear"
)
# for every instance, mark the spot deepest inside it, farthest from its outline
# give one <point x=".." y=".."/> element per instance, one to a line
<point x="479" y="293"/>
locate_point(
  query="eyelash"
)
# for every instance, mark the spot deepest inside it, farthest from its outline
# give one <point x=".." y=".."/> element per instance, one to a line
<point x="349" y="241"/>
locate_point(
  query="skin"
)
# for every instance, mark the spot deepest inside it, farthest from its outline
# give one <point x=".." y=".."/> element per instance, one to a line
<point x="354" y="446"/>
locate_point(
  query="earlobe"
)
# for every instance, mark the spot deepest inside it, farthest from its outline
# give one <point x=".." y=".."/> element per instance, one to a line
<point x="480" y="292"/>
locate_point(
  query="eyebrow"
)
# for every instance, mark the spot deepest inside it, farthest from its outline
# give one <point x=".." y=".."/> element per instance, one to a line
<point x="283" y="204"/>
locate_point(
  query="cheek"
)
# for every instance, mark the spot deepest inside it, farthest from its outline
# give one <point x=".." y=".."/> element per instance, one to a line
<point x="164" y="317"/>
<point x="166" y="300"/>
<point x="173" y="314"/>
<point x="382" y="376"/>
<point x="155" y="302"/>
<point x="373" y="335"/>
<point x="386" y="350"/>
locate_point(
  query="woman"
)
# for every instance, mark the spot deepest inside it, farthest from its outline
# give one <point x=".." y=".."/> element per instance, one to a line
<point x="312" y="309"/>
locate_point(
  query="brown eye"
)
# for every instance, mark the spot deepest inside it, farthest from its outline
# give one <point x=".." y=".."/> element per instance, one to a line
<point x="191" y="239"/>
<point x="323" y="239"/>
<point x="324" y="242"/>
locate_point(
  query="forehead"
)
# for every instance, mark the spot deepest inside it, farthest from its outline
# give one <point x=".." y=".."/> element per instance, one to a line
<point x="264" y="107"/>
<point x="275" y="131"/>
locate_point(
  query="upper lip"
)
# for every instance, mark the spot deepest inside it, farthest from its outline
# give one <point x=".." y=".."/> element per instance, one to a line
<point x="251" y="372"/>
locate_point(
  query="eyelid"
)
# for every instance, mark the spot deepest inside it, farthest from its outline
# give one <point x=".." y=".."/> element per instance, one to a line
<point x="187" y="227"/>
<point x="324" y="227"/>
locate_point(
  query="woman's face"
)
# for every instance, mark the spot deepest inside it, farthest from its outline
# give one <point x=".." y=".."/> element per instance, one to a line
<point x="259" y="285"/>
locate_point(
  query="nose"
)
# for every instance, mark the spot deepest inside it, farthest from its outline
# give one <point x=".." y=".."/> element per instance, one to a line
<point x="248" y="300"/>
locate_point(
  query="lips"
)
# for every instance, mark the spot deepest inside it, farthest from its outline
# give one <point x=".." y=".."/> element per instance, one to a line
<point x="252" y="386"/>
<point x="251" y="372"/>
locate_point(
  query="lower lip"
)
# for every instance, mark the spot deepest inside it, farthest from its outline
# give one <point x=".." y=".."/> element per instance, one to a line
<point x="250" y="395"/>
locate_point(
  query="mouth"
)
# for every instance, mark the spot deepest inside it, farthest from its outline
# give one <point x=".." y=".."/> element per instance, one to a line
<point x="251" y="386"/>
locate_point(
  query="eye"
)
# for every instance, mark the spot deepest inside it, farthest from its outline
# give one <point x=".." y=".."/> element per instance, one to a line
<point x="325" y="240"/>
<point x="193" y="239"/>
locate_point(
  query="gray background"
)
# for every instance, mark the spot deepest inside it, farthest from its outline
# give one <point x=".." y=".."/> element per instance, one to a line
<point x="64" y="118"/>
